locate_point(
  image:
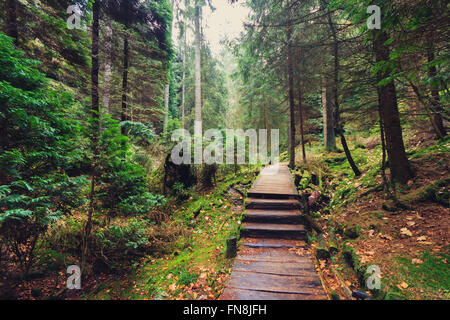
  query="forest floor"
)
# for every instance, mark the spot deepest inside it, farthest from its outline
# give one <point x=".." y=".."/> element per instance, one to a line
<point x="409" y="243"/>
<point x="198" y="268"/>
<point x="187" y="258"/>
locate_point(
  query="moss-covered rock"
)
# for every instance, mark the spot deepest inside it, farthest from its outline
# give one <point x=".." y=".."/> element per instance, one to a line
<point x="435" y="192"/>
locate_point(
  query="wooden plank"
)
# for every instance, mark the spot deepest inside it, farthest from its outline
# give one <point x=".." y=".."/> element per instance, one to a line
<point x="277" y="268"/>
<point x="243" y="294"/>
<point x="274" y="254"/>
<point x="267" y="266"/>
<point x="273" y="283"/>
<point x="273" y="243"/>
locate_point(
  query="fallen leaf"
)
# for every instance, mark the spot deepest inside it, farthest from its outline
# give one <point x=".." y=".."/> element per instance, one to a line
<point x="422" y="238"/>
<point x="173" y="287"/>
<point x="406" y="232"/>
<point x="385" y="236"/>
<point x="403" y="285"/>
<point x="418" y="261"/>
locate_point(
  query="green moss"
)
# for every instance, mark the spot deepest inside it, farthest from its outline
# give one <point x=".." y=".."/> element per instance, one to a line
<point x="435" y="192"/>
<point x="433" y="273"/>
<point x="352" y="232"/>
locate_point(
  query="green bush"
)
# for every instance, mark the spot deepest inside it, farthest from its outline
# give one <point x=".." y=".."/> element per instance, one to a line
<point x="36" y="148"/>
<point x="117" y="245"/>
<point x="123" y="187"/>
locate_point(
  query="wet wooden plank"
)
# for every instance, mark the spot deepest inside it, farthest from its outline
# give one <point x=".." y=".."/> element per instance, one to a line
<point x="274" y="255"/>
<point x="271" y="265"/>
<point x="282" y="231"/>
<point x="273" y="282"/>
<point x="276" y="268"/>
<point x="272" y="204"/>
<point x="243" y="294"/>
<point x="273" y="243"/>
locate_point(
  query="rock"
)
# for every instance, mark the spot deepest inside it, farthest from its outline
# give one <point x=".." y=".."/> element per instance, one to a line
<point x="314" y="197"/>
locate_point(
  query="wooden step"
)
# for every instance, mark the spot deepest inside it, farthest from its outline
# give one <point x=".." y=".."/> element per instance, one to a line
<point x="272" y="230"/>
<point x="273" y="243"/>
<point x="274" y="255"/>
<point x="272" y="216"/>
<point x="279" y="268"/>
<point x="299" y="284"/>
<point x="269" y="193"/>
<point x="272" y="204"/>
<point x="273" y="260"/>
<point x="249" y="294"/>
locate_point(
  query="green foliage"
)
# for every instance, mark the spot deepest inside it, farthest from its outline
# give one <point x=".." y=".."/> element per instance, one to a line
<point x="35" y="148"/>
<point x="140" y="133"/>
<point x="432" y="274"/>
<point x="123" y="187"/>
<point x="118" y="243"/>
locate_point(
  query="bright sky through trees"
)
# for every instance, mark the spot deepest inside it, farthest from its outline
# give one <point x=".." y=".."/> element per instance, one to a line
<point x="225" y="22"/>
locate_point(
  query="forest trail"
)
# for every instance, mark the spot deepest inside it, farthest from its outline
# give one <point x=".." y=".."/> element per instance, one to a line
<point x="273" y="263"/>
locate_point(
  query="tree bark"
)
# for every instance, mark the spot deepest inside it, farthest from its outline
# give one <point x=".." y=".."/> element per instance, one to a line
<point x="338" y="125"/>
<point x="435" y="99"/>
<point x="124" y="116"/>
<point x="108" y="66"/>
<point x="95" y="110"/>
<point x="11" y="20"/>
<point x="198" y="75"/>
<point x="300" y="111"/>
<point x="291" y="101"/>
<point x="398" y="162"/>
<point x="183" y="85"/>
<point x="167" y="88"/>
<point x="329" y="136"/>
<point x="166" y="106"/>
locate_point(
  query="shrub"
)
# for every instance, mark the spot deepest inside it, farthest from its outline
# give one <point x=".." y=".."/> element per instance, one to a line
<point x="140" y="133"/>
<point x="123" y="188"/>
<point x="36" y="142"/>
<point x="117" y="245"/>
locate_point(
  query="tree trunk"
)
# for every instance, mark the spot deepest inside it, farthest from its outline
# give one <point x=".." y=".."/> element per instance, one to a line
<point x="329" y="137"/>
<point x="398" y="162"/>
<point x="383" y="150"/>
<point x="166" y="106"/>
<point x="11" y="20"/>
<point x="435" y="99"/>
<point x="198" y="75"/>
<point x="291" y="102"/>
<point x="183" y="85"/>
<point x="300" y="111"/>
<point x="95" y="109"/>
<point x="338" y="124"/>
<point x="198" y="126"/>
<point x="124" y="116"/>
<point x="167" y="88"/>
<point x="108" y="66"/>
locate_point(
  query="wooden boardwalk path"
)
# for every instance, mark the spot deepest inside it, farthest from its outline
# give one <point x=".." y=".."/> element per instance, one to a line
<point x="272" y="263"/>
